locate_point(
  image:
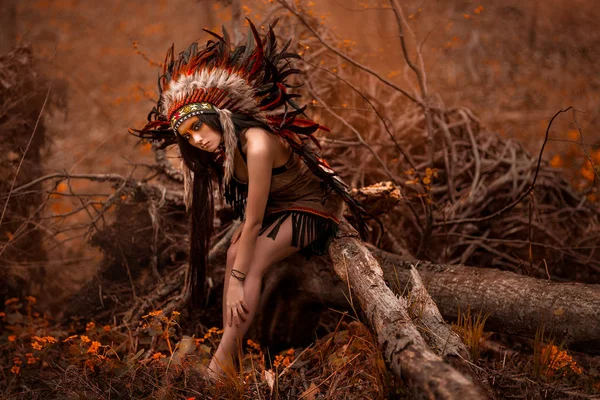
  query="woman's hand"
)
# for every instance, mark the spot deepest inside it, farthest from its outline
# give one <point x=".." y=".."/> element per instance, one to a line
<point x="236" y="306"/>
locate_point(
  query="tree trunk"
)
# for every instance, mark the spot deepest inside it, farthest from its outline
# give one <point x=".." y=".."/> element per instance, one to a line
<point x="435" y="331"/>
<point x="517" y="304"/>
<point x="404" y="350"/>
<point x="439" y="336"/>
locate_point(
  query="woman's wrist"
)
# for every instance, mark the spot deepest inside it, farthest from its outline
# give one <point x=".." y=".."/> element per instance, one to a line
<point x="238" y="275"/>
<point x="235" y="282"/>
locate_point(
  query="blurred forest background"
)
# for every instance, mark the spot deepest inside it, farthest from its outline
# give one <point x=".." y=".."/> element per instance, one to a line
<point x="513" y="64"/>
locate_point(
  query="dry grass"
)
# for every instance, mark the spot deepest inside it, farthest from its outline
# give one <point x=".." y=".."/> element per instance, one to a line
<point x="471" y="330"/>
<point x="41" y="359"/>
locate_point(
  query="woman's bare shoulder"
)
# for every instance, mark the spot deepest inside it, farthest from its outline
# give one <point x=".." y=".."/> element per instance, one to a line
<point x="257" y="133"/>
<point x="264" y="143"/>
<point x="258" y="138"/>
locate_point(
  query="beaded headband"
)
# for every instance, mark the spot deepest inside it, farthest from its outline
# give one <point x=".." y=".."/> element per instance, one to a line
<point x="190" y="110"/>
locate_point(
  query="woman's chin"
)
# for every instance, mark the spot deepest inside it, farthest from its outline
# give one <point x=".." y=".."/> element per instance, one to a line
<point x="210" y="148"/>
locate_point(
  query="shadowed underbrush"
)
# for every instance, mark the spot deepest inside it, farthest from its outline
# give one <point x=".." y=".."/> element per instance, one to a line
<point x="41" y="359"/>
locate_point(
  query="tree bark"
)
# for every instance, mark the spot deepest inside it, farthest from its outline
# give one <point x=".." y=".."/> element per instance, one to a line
<point x="378" y="198"/>
<point x="438" y="335"/>
<point x="404" y="350"/>
<point x="517" y="304"/>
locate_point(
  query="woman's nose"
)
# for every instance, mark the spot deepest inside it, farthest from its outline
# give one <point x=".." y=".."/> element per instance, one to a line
<point x="197" y="139"/>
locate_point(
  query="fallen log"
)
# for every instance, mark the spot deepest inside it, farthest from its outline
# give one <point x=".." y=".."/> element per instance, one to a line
<point x="403" y="348"/>
<point x="378" y="198"/>
<point x="517" y="304"/>
<point x="439" y="336"/>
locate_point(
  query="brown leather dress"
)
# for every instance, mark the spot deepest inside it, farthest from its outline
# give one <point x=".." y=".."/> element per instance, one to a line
<point x="297" y="193"/>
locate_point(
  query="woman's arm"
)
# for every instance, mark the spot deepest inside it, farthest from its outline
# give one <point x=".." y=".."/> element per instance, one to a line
<point x="260" y="163"/>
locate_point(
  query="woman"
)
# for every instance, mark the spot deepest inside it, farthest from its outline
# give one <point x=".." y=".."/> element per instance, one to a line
<point x="236" y="126"/>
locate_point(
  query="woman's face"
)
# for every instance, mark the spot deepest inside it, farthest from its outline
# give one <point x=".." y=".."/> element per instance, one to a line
<point x="200" y="135"/>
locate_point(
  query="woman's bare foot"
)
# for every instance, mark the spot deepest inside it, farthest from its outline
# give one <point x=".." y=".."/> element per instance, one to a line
<point x="214" y="375"/>
<point x="210" y="375"/>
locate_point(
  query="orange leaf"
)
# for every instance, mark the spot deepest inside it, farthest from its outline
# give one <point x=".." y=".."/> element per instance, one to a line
<point x="556" y="161"/>
<point x="573" y="134"/>
<point x="587" y="173"/>
<point x="146" y="148"/>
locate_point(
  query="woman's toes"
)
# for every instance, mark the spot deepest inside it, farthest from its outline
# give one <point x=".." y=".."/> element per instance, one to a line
<point x="212" y="376"/>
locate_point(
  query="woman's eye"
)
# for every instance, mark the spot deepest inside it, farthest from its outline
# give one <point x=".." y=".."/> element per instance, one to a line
<point x="187" y="136"/>
<point x="196" y="126"/>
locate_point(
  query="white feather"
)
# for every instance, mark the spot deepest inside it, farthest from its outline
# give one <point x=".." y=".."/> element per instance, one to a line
<point x="238" y="89"/>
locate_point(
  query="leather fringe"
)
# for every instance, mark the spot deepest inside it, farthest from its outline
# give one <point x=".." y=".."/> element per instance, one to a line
<point x="315" y="229"/>
<point x="306" y="227"/>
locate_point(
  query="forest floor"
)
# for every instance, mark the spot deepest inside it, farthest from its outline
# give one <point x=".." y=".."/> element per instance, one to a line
<point x="93" y="361"/>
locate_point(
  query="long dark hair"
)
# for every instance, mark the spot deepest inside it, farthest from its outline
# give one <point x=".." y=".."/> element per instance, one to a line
<point x="208" y="170"/>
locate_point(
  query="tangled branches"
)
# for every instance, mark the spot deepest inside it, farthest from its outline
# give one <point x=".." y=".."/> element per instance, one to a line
<point x="455" y="175"/>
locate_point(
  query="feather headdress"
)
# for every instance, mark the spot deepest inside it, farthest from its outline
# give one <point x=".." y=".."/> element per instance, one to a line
<point x="248" y="79"/>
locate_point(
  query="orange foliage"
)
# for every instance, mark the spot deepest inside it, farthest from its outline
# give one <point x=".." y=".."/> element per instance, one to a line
<point x="253" y="344"/>
<point x="573" y="134"/>
<point x="556" y="161"/>
<point x="31" y="359"/>
<point x="146" y="148"/>
<point x="559" y="360"/>
<point x="587" y="172"/>
<point x="93" y="349"/>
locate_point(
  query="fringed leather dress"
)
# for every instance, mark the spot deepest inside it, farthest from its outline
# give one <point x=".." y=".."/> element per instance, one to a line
<point x="295" y="193"/>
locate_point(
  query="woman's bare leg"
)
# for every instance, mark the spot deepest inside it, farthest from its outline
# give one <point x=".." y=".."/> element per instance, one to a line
<point x="266" y="253"/>
<point x="231" y="253"/>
